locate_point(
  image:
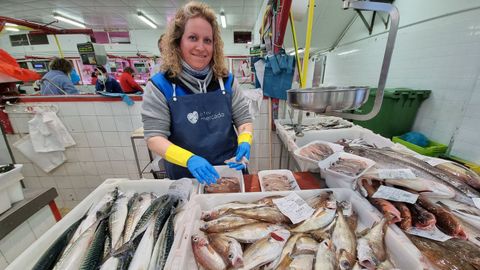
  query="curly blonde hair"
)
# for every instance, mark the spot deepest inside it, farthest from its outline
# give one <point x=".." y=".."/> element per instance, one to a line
<point x="171" y="42"/>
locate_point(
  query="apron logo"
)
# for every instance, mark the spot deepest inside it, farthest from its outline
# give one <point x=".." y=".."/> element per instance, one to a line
<point x="193" y="117"/>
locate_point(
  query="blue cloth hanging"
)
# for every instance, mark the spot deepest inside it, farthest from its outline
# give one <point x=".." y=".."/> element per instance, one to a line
<point x="125" y="97"/>
<point x="279" y="70"/>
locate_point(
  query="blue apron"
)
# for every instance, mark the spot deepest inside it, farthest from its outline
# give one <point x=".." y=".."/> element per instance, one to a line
<point x="201" y="123"/>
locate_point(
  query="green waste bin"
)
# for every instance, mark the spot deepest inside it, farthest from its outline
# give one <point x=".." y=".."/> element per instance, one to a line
<point x="398" y="111"/>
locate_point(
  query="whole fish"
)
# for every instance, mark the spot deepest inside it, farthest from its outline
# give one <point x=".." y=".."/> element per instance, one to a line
<point x="252" y="232"/>
<point x="143" y="252"/>
<point x="266" y="214"/>
<point x="446" y="221"/>
<point x="371" y="247"/>
<point x="95" y="251"/>
<point x="388" y="159"/>
<point x="406" y="222"/>
<point x="284" y="260"/>
<point x="326" y="232"/>
<point x="443" y="257"/>
<point x="229" y="248"/>
<point x="461" y="173"/>
<point x="164" y="202"/>
<point x="205" y="255"/>
<point x="110" y="264"/>
<point x="472" y="233"/>
<point x="118" y="217"/>
<point x="265" y="250"/>
<point x="320" y="219"/>
<point x="73" y="256"/>
<point x="305" y="245"/>
<point x="421" y="218"/>
<point x="301" y="262"/>
<point x="469" y="214"/>
<point x="226" y="223"/>
<point x="343" y="238"/>
<point x="135" y="212"/>
<point x="425" y="187"/>
<point x="163" y="244"/>
<point x="346" y="260"/>
<point x="325" y="258"/>
<point x="220" y="210"/>
<point x="386" y="207"/>
<point x="51" y="255"/>
<point x="102" y="207"/>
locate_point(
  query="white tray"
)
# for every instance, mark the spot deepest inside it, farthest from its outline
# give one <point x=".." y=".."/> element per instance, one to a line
<point x="308" y="164"/>
<point x="287" y="173"/>
<point x="225" y="171"/>
<point x="10" y="187"/>
<point x="335" y="179"/>
<point x="31" y="255"/>
<point x="402" y="252"/>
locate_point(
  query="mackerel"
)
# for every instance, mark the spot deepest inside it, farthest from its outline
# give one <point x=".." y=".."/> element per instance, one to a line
<point x="135" y="212"/>
<point x="117" y="218"/>
<point x="164" y="244"/>
<point x="95" y="251"/>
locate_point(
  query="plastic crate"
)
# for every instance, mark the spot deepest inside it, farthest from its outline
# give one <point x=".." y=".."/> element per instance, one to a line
<point x="434" y="149"/>
<point x="398" y="112"/>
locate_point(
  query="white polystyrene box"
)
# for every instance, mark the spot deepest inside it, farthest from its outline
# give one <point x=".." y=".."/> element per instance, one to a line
<point x="401" y="251"/>
<point x="225" y="171"/>
<point x="31" y="255"/>
<point x="10" y="187"/>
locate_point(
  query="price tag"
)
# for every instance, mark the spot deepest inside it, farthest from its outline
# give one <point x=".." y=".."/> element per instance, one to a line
<point x="431" y="160"/>
<point x="476" y="201"/>
<point x="294" y="207"/>
<point x="396" y="174"/>
<point x="434" y="234"/>
<point x="395" y="194"/>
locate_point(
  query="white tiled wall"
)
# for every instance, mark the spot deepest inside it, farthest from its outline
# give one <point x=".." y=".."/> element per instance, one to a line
<point x="442" y="55"/>
<point x="103" y="148"/>
<point x="24" y="235"/>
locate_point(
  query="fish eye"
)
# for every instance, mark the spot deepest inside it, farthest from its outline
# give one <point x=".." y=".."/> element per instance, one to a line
<point x="230" y="256"/>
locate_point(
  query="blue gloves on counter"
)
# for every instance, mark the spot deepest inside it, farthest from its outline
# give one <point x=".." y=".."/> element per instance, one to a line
<point x="202" y="170"/>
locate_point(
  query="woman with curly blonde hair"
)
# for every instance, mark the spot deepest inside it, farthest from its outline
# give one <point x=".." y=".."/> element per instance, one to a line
<point x="191" y="109"/>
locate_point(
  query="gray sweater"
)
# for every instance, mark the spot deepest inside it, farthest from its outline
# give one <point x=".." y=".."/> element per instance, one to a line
<point x="156" y="114"/>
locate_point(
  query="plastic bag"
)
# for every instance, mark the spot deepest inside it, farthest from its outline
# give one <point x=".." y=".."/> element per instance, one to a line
<point x="45" y="161"/>
<point x="254" y="98"/>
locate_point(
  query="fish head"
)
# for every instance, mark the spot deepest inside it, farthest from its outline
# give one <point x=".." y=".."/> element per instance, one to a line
<point x="235" y="259"/>
<point x="209" y="215"/>
<point x="199" y="240"/>
<point x="346" y="260"/>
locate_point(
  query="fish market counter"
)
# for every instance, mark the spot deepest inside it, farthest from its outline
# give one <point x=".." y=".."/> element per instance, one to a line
<point x="305" y="180"/>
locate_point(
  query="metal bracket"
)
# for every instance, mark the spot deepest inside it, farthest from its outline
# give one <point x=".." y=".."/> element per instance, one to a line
<point x="372" y="22"/>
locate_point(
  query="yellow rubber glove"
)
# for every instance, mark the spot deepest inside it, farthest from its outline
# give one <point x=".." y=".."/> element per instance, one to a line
<point x="245" y="137"/>
<point x="177" y="155"/>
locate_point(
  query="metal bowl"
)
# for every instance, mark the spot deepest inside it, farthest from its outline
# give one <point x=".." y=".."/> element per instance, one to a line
<point x="326" y="99"/>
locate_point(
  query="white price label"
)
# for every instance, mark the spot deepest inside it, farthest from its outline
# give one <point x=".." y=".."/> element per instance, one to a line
<point x="431" y="160"/>
<point x="476" y="201"/>
<point x="396" y="174"/>
<point x="434" y="234"/>
<point x="294" y="207"/>
<point x="395" y="194"/>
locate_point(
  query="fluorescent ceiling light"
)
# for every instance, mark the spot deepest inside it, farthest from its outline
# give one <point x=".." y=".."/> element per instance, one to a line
<point x="146" y="20"/>
<point x="223" y="19"/>
<point x="68" y="20"/>
<point x="13" y="29"/>
<point x="11" y="24"/>
<point x="347" y="52"/>
<point x="299" y="51"/>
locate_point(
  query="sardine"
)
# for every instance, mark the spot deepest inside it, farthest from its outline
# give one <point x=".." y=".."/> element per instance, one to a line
<point x="118" y="217"/>
<point x="406" y="222"/>
<point x="266" y="214"/>
<point x="95" y="251"/>
<point x="265" y="250"/>
<point x="226" y="223"/>
<point x="320" y="219"/>
<point x="325" y="258"/>
<point x="446" y="221"/>
<point x="301" y="262"/>
<point x="343" y="238"/>
<point x="229" y="248"/>
<point x="51" y="255"/>
<point x="135" y="212"/>
<point x="205" y="255"/>
<point x="252" y="232"/>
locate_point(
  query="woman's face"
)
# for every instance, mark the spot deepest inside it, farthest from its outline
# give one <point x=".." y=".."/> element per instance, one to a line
<point x="196" y="45"/>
